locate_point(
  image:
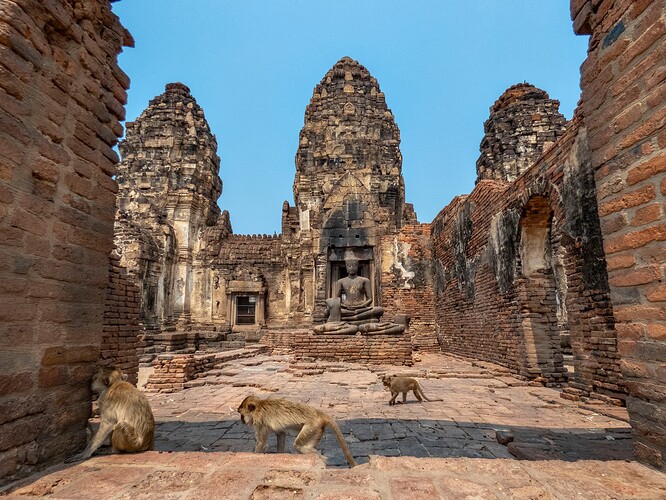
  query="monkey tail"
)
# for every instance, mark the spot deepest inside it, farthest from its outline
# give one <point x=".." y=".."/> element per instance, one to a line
<point x="426" y="397"/>
<point x="341" y="439"/>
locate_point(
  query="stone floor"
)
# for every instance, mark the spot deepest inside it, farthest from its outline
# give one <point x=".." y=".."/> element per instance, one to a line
<point x="439" y="449"/>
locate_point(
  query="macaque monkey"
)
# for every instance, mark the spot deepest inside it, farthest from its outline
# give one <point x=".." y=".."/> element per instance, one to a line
<point x="124" y="414"/>
<point x="397" y="385"/>
<point x="279" y="415"/>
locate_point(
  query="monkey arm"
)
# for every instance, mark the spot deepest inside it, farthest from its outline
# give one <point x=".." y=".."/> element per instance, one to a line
<point x="105" y="429"/>
<point x="260" y="438"/>
<point x="281" y="437"/>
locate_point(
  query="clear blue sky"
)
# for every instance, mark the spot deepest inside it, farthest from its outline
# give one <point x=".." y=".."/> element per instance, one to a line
<point x="252" y="65"/>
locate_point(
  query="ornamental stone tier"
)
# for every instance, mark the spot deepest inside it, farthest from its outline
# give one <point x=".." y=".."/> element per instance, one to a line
<point x="523" y="123"/>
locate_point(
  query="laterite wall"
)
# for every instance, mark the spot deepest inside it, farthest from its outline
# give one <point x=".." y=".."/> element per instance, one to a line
<point x="62" y="98"/>
<point x="623" y="104"/>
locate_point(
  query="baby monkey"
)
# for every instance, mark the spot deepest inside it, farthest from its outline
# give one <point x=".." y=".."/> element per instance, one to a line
<point x="124" y="414"/>
<point x="397" y="384"/>
<point x="280" y="415"/>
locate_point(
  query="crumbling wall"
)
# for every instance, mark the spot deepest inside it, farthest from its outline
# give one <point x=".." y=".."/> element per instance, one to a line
<point x="62" y="98"/>
<point x="623" y="106"/>
<point x="247" y="258"/>
<point x="406" y="283"/>
<point x="493" y="302"/>
<point x="523" y="122"/>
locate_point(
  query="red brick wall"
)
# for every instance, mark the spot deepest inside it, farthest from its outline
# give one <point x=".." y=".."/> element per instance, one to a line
<point x="406" y="282"/>
<point x="374" y="348"/>
<point x="61" y="102"/>
<point x="623" y="103"/>
<point x="120" y="336"/>
<point x="489" y="306"/>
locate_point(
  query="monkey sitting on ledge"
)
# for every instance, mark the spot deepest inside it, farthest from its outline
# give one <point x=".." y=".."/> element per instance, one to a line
<point x="280" y="415"/>
<point x="124" y="414"/>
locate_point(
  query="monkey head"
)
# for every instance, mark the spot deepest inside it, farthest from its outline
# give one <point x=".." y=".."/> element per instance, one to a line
<point x="386" y="380"/>
<point x="246" y="409"/>
<point x="105" y="377"/>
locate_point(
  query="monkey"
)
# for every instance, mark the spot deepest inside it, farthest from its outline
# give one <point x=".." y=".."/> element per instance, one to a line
<point x="124" y="412"/>
<point x="398" y="384"/>
<point x="279" y="415"/>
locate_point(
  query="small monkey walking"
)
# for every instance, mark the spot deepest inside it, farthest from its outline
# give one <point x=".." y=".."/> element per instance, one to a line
<point x="397" y="385"/>
<point x="279" y="415"/>
<point x="124" y="414"/>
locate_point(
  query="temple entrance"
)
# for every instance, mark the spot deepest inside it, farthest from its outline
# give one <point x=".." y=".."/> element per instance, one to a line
<point x="246" y="309"/>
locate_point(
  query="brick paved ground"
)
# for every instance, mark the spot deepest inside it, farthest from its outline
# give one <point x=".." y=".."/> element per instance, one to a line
<point x="444" y="449"/>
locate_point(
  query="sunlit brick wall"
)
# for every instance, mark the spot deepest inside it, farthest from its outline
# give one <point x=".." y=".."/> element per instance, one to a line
<point x="623" y="84"/>
<point x="62" y="99"/>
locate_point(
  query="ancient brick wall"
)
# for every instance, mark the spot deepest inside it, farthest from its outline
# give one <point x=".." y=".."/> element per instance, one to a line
<point x="374" y="349"/>
<point x="623" y="105"/>
<point x="406" y="283"/>
<point x="508" y="253"/>
<point x="120" y="336"/>
<point x="61" y="102"/>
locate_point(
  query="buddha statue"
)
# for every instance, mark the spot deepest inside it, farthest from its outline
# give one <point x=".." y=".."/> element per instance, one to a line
<point x="355" y="295"/>
<point x="351" y="308"/>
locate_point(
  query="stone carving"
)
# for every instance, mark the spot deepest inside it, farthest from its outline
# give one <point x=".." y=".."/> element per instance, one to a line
<point x="355" y="294"/>
<point x="351" y="309"/>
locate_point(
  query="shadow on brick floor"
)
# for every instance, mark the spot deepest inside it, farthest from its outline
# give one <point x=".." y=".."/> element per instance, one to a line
<point x="414" y="438"/>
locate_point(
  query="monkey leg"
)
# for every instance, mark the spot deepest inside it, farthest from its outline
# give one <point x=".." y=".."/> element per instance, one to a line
<point x="309" y="438"/>
<point x="395" y="395"/>
<point x="404" y="396"/>
<point x="260" y="438"/>
<point x="281" y="437"/>
<point x="418" y="396"/>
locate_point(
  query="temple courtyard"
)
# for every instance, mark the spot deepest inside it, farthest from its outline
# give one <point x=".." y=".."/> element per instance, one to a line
<point x="440" y="449"/>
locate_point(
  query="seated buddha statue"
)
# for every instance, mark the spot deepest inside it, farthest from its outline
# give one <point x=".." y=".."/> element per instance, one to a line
<point x="350" y="310"/>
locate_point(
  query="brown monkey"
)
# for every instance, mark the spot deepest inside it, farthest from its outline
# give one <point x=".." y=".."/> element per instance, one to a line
<point x="279" y="415"/>
<point x="124" y="414"/>
<point x="398" y="384"/>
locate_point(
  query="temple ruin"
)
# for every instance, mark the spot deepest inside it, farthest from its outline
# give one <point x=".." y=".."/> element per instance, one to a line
<point x="205" y="288"/>
<point x="553" y="266"/>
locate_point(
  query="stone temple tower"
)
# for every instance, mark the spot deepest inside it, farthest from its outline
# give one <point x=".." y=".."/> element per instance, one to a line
<point x="348" y="189"/>
<point x="168" y="189"/>
<point x="522" y="123"/>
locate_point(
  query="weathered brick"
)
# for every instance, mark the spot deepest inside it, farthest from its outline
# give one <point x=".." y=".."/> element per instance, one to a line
<point x="635" y="276"/>
<point x="647" y="39"/>
<point x="646" y="215"/>
<point x="647" y="169"/>
<point x="628" y="200"/>
<point x="635" y="239"/>
<point x="657" y="293"/>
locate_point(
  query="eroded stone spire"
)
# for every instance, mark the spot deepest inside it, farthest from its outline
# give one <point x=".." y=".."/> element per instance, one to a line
<point x="522" y="122"/>
<point x="349" y="130"/>
<point x="168" y="152"/>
